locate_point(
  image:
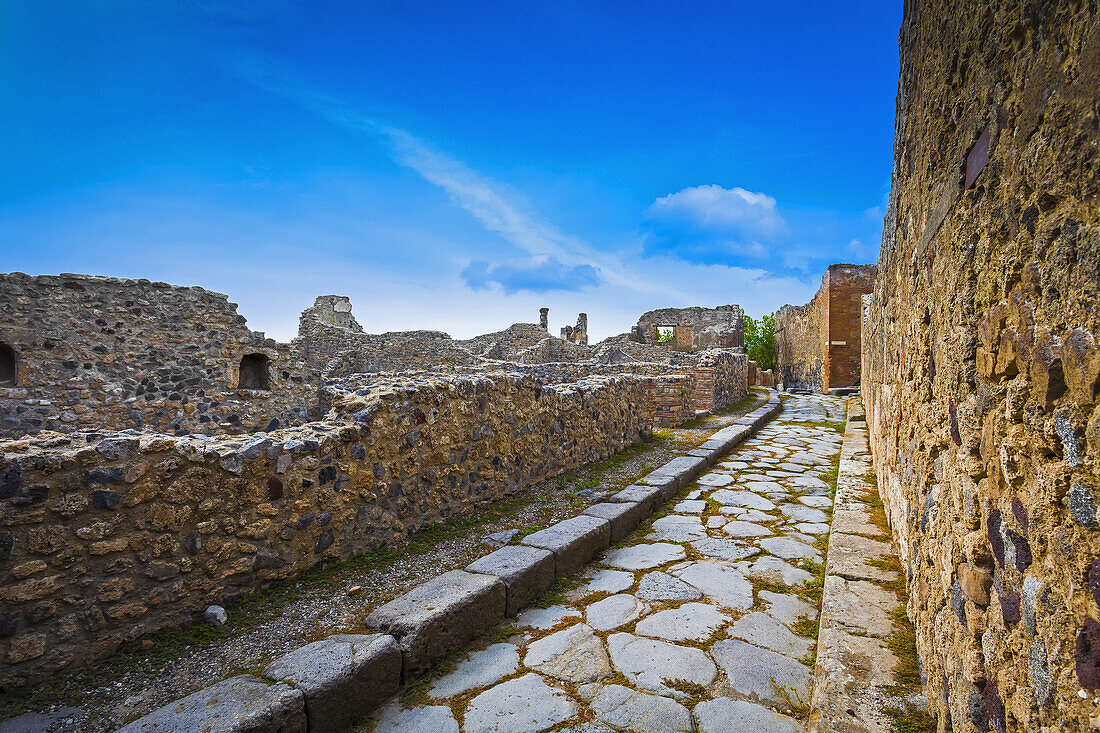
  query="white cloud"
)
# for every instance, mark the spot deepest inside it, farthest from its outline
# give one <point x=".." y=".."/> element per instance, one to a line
<point x="711" y="207"/>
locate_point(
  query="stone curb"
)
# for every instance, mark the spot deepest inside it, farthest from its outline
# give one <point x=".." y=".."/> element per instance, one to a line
<point x="853" y="662"/>
<point x="327" y="684"/>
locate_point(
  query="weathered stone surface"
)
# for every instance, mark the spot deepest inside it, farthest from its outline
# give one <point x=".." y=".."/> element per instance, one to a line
<point x="648" y="663"/>
<point x="343" y="676"/>
<point x="677" y="528"/>
<point x="695" y="621"/>
<point x="757" y="672"/>
<point x="789" y="549"/>
<point x="724" y="585"/>
<point x="623" y="516"/>
<point x="849" y="553"/>
<point x="546" y="618"/>
<point x="744" y="499"/>
<point x="527" y="573"/>
<point x="477" y="669"/>
<point x="523" y="705"/>
<point x="573" y="541"/>
<point x="609" y="581"/>
<point x="658" y="586"/>
<point x="241" y="704"/>
<point x="637" y="711"/>
<point x="645" y="555"/>
<point x="765" y="631"/>
<point x="614" y="611"/>
<point x="746" y="530"/>
<point x="646" y="497"/>
<point x="435" y="718"/>
<point x="785" y="607"/>
<point x="722" y="714"/>
<point x="690" y="506"/>
<point x="574" y="654"/>
<point x="438" y="617"/>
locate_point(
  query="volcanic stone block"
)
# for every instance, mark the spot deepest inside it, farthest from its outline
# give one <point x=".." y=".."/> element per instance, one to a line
<point x="648" y="497"/>
<point x="624" y="517"/>
<point x="676" y="474"/>
<point x="343" y="677"/>
<point x="241" y="704"/>
<point x="573" y="541"/>
<point x="440" y="616"/>
<point x="668" y="484"/>
<point x="527" y="573"/>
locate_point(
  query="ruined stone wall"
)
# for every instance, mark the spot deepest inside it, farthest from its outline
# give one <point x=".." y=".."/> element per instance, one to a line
<point x="721" y="375"/>
<point x="710" y="328"/>
<point x="980" y="364"/>
<point x="800" y="333"/>
<point x="818" y="344"/>
<point x="104" y="538"/>
<point x="98" y="353"/>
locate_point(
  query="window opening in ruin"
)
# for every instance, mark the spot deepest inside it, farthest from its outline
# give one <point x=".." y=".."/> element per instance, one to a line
<point x="254" y="372"/>
<point x="7" y="365"/>
<point x="664" y="334"/>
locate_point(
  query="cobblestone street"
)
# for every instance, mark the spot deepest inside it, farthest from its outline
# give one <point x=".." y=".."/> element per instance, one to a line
<point x="702" y="619"/>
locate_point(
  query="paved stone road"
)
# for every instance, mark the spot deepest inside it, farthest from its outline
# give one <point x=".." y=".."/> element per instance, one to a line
<point x="687" y="625"/>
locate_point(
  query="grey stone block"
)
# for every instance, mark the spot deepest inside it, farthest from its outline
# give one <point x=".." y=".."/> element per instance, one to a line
<point x="624" y="517"/>
<point x="705" y="452"/>
<point x="684" y="469"/>
<point x="573" y="541"/>
<point x="646" y="496"/>
<point x="527" y="572"/>
<point x="440" y="616"/>
<point x="668" y="483"/>
<point x="237" y="705"/>
<point x="343" y="677"/>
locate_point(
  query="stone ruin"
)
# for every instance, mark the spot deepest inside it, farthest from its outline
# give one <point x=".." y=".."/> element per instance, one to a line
<point x="818" y="344"/>
<point x="160" y="456"/>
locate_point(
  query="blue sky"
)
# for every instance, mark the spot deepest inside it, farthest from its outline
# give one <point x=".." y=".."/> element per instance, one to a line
<point x="449" y="165"/>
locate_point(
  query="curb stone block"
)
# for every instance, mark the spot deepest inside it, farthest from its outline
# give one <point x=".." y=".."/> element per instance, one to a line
<point x="623" y="516"/>
<point x="241" y="704"/>
<point x="343" y="677"/>
<point x="440" y="616"/>
<point x="527" y="572"/>
<point x="647" y="497"/>
<point x="667" y="484"/>
<point x="573" y="541"/>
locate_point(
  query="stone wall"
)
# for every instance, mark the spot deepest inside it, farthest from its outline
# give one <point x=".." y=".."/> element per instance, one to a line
<point x="98" y="353"/>
<point x="104" y="538"/>
<point x="698" y="328"/>
<point x="818" y="344"/>
<point x="800" y="334"/>
<point x="980" y="364"/>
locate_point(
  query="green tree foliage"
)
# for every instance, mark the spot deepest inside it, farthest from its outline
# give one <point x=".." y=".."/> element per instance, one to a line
<point x="760" y="339"/>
